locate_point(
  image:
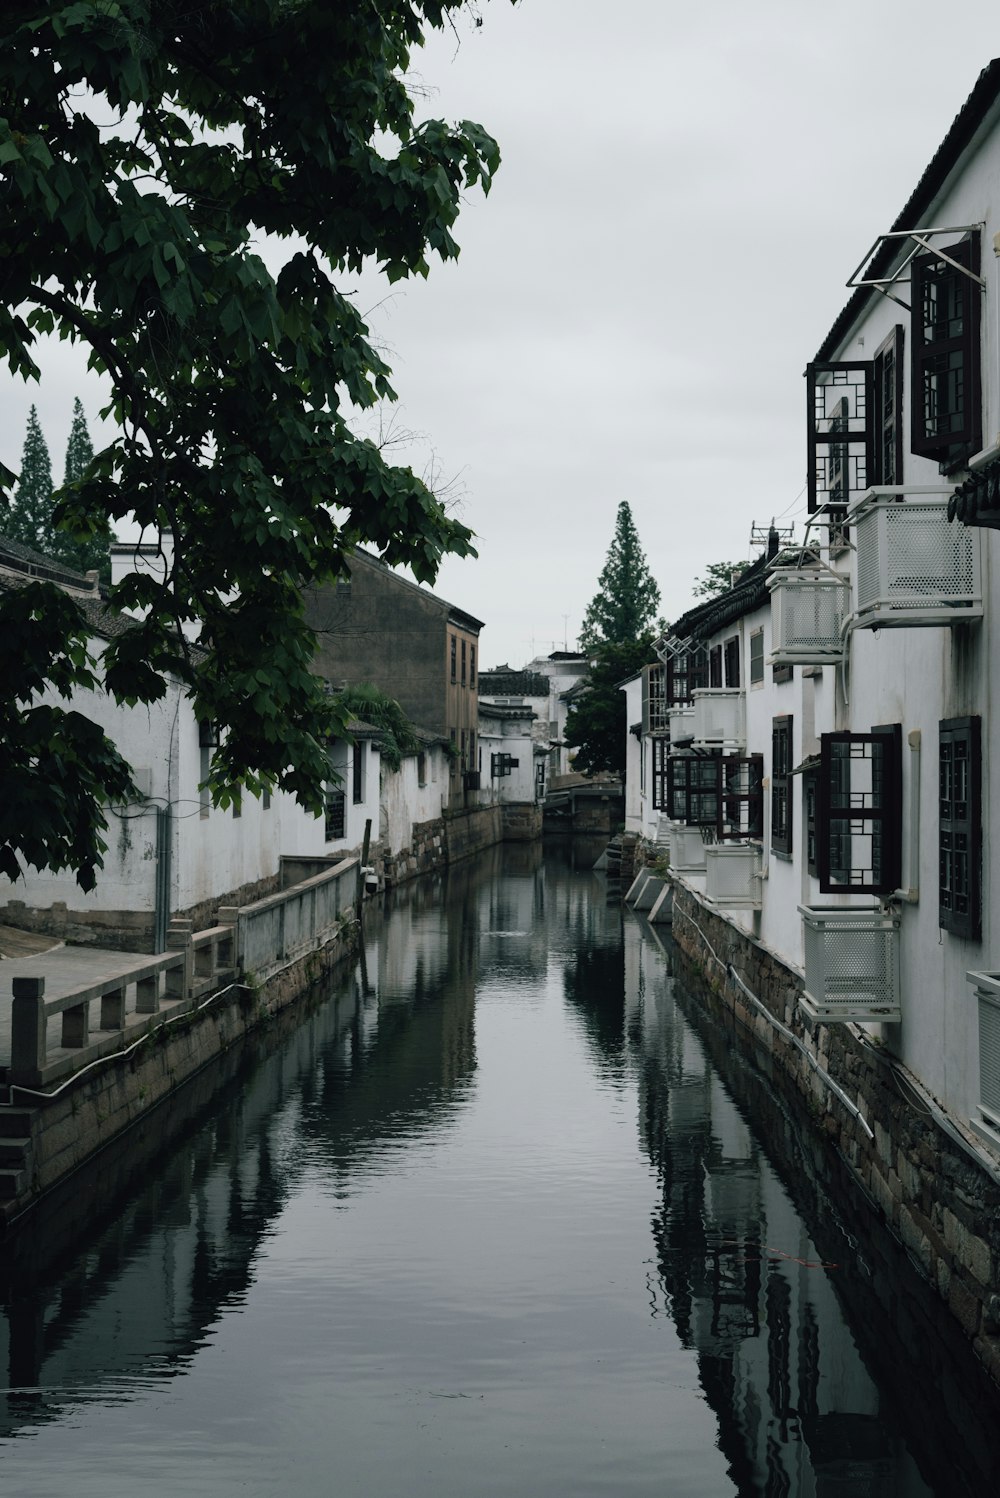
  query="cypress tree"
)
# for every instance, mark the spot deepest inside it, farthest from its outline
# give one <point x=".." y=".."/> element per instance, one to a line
<point x="79" y="449"/>
<point x="625" y="604"/>
<point x="84" y="551"/>
<point x="29" y="519"/>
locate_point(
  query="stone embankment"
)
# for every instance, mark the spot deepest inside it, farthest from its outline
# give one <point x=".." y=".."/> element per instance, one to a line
<point x="932" y="1185"/>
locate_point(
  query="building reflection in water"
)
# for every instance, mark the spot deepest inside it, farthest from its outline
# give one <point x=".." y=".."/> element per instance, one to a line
<point x="748" y="1289"/>
<point x="393" y="1052"/>
<point x="325" y="1101"/>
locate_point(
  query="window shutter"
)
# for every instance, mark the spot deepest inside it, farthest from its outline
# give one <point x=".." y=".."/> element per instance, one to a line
<point x="887" y="467"/>
<point x="781" y="800"/>
<point x="946" y="415"/>
<point x="859" y="812"/>
<point x="960" y="827"/>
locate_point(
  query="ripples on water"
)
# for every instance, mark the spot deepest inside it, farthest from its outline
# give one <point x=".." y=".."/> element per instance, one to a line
<point x="487" y="1222"/>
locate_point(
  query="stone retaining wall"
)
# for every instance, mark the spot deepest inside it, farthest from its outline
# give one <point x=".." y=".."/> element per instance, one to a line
<point x="932" y="1194"/>
<point x="521" y="821"/>
<point x="94" y="1110"/>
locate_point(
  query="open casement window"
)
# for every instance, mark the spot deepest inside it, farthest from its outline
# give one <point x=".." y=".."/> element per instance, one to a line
<point x="887" y="458"/>
<point x="741" y="803"/>
<point x="960" y="831"/>
<point x="654" y="707"/>
<point x="841" y="436"/>
<point x="661" y="761"/>
<point x="685" y="672"/>
<point x="715" y="666"/>
<point x="731" y="654"/>
<point x="946" y="416"/>
<point x="781" y="788"/>
<point x="693" y="789"/>
<point x="859" y="812"/>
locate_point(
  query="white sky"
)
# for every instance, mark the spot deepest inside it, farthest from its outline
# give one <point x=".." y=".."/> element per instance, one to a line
<point x="684" y="192"/>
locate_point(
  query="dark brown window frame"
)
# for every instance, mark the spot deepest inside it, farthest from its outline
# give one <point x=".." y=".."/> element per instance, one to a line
<point x="715" y="666"/>
<point x="661" y="760"/>
<point x="756" y="657"/>
<point x="686" y="672"/>
<point x="838" y="447"/>
<point x="837" y="823"/>
<point x="358" y="773"/>
<point x="948" y="448"/>
<point x="960" y="830"/>
<point x="731" y="657"/>
<point x="887" y="415"/>
<point x="781" y="784"/>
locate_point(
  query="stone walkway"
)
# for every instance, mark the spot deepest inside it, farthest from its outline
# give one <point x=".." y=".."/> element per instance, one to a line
<point x="64" y="969"/>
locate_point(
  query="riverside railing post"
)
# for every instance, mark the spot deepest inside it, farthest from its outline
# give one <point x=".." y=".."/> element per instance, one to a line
<point x="27" y="1040"/>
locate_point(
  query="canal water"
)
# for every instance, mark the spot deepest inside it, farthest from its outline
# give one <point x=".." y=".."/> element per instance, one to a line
<point x="493" y="1218"/>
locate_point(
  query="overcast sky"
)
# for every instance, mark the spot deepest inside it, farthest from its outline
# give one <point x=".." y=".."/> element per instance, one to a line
<point x="685" y="189"/>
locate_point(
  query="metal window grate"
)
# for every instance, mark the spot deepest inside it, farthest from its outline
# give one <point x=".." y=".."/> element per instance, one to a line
<point x="733" y="874"/>
<point x="914" y="566"/>
<point x="852" y="964"/>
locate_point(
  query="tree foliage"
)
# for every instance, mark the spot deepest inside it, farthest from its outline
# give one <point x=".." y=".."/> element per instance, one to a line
<point x="146" y="146"/>
<point x="717" y="578"/>
<point x="397" y="735"/>
<point x="597" y="722"/>
<point x="29" y="519"/>
<point x="627" y="596"/>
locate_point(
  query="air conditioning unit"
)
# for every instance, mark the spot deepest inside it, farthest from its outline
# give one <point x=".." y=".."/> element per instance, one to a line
<point x="733" y="874"/>
<point x="852" y="964"/>
<point x="687" y="849"/>
<point x="718" y="718"/>
<point x="914" y="566"/>
<point x="809" y="608"/>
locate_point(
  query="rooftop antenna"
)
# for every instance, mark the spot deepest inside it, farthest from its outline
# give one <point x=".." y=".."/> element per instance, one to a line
<point x="760" y="534"/>
<point x="566" y="632"/>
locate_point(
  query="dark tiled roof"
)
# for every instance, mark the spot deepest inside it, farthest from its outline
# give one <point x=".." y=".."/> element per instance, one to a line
<point x="749" y="592"/>
<point x="33" y="563"/>
<point x="968" y="120"/>
<point x="501" y="683"/>
<point x="977" y="494"/>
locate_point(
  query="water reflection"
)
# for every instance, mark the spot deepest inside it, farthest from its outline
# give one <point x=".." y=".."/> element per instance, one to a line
<point x="489" y="1219"/>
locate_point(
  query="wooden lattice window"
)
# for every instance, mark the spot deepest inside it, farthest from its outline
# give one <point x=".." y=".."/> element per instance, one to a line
<point x="741" y="803"/>
<point x="756" y="657"/>
<point x="781" y="792"/>
<point x="946" y="416"/>
<point x="859" y="812"/>
<point x="960" y="828"/>
<point x="841" y="433"/>
<point x="336" y="813"/>
<point x="731" y="651"/>
<point x="686" y="671"/>
<point x="661" y="759"/>
<point x="693" y="782"/>
<point x="887" y="465"/>
<point x="654" y="704"/>
<point x="715" y="666"/>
